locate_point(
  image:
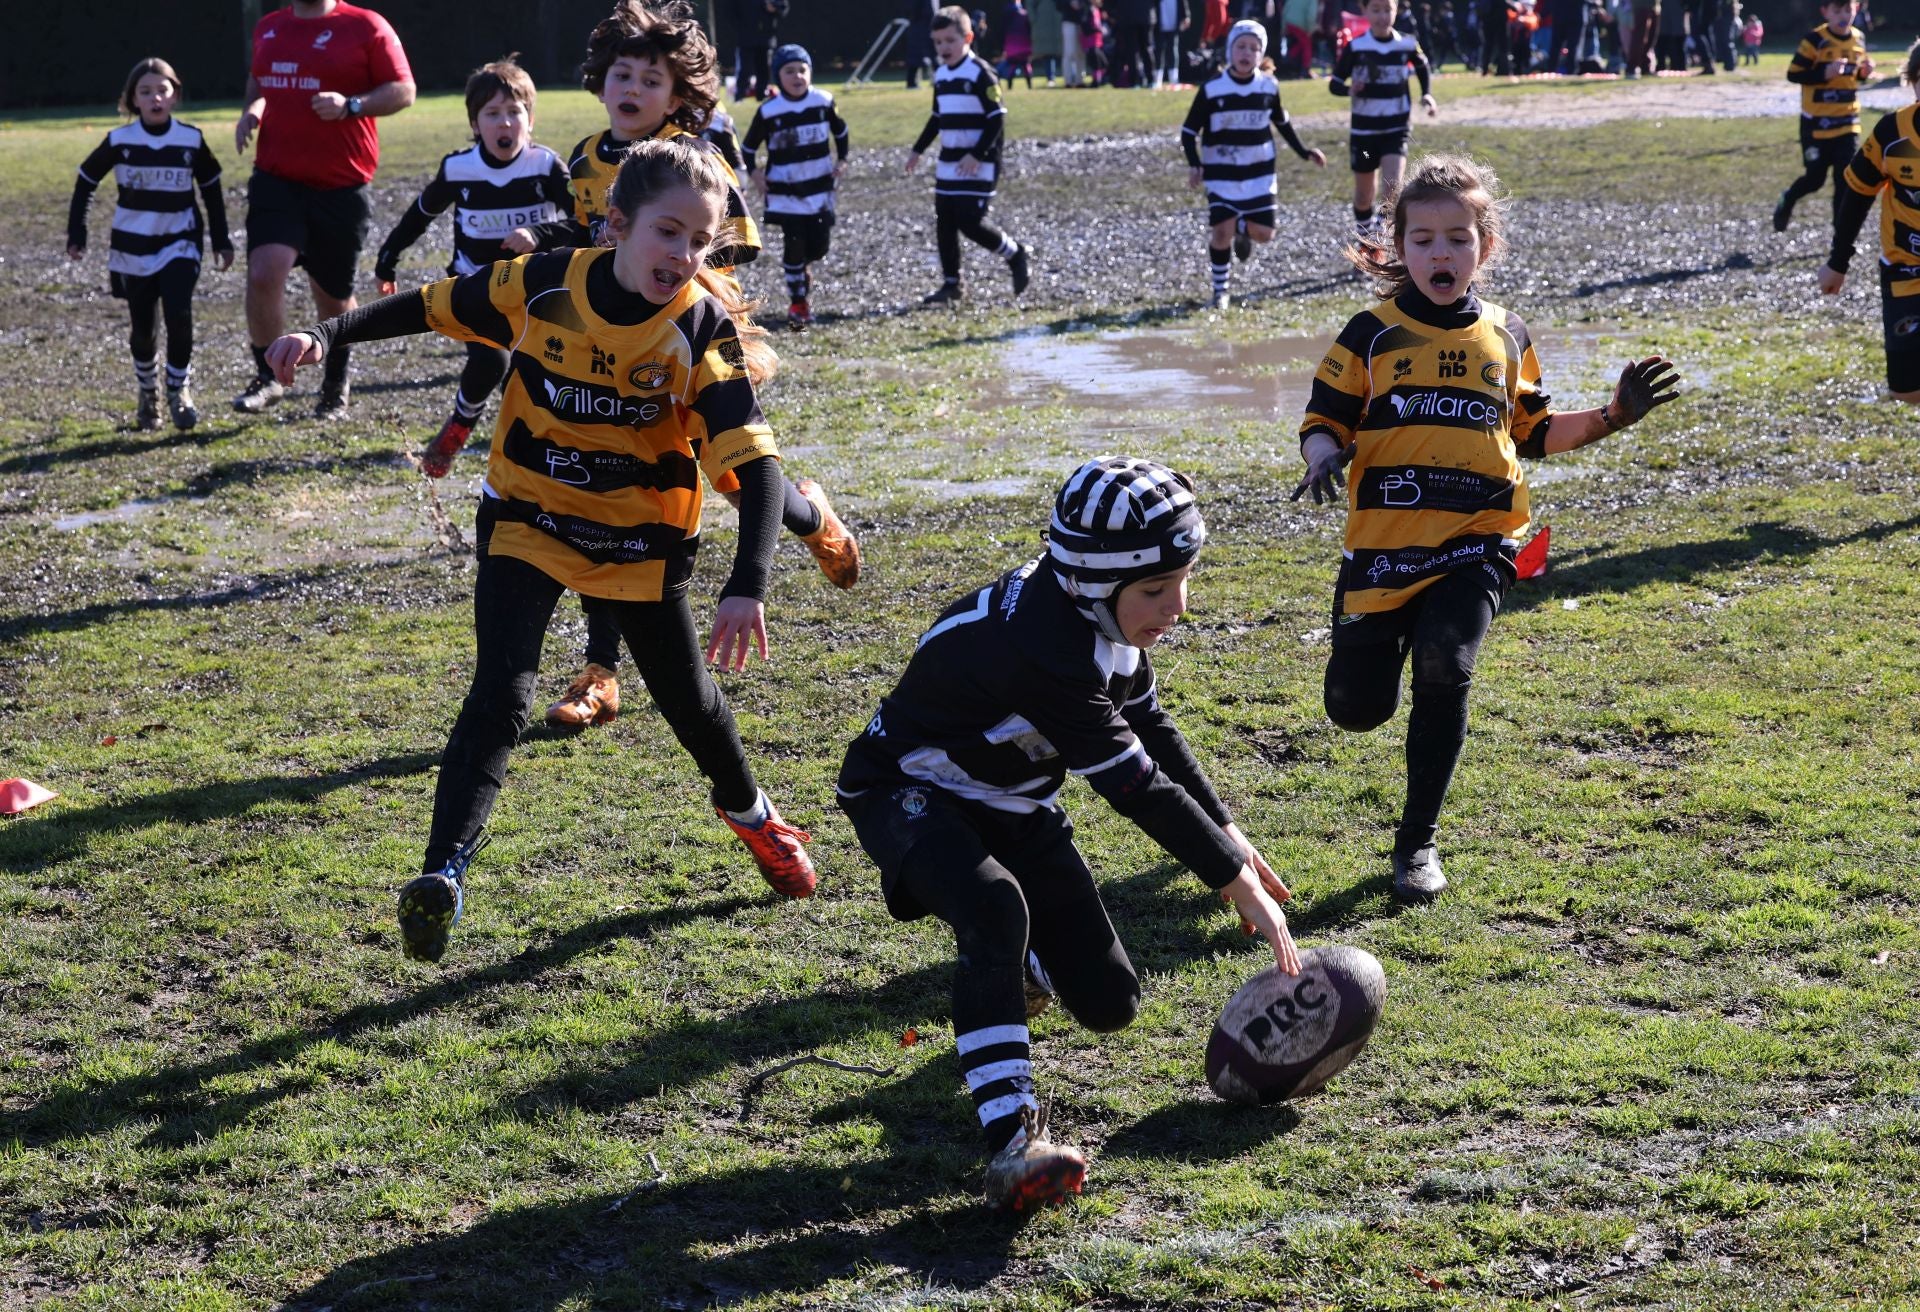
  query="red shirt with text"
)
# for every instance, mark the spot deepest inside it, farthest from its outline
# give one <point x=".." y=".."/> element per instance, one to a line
<point x="350" y="50"/>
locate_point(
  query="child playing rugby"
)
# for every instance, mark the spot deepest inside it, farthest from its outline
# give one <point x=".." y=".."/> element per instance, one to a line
<point x="954" y="789"/>
<point x="806" y="143"/>
<point x="153" y="250"/>
<point x="1228" y="140"/>
<point x="970" y="123"/>
<point x="1373" y="71"/>
<point x="653" y="69"/>
<point x="1888" y="166"/>
<point x="503" y="191"/>
<point x="1434" y="396"/>
<point x="1829" y="67"/>
<point x="593" y="485"/>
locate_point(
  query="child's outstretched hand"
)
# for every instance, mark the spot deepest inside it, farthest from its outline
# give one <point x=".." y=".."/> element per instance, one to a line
<point x="1831" y="280"/>
<point x="1643" y="385"/>
<point x="223" y="260"/>
<point x="294" y="351"/>
<point x="1431" y="105"/>
<point x="1258" y="908"/>
<point x="1318" y="156"/>
<point x="1325" y="459"/>
<point x="738" y="624"/>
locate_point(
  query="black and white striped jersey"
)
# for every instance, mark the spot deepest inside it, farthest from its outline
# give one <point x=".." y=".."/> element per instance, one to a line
<point x="969" y="119"/>
<point x="155" y="219"/>
<point x="1375" y="73"/>
<point x="1012" y="690"/>
<point x="1228" y="136"/>
<point x="802" y="138"/>
<point x="489" y="199"/>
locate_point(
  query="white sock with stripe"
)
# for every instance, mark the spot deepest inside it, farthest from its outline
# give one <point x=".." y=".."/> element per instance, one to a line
<point x="997" y="1063"/>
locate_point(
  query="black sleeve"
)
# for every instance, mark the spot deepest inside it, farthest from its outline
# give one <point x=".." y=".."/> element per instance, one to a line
<point x="1342" y="73"/>
<point x="1422" y="70"/>
<point x="555" y="234"/>
<point x="755" y="138"/>
<point x="1284" y="126"/>
<point x="216" y="202"/>
<point x="1848" y="215"/>
<point x="93" y="171"/>
<point x="1168" y="748"/>
<point x="1190" y="130"/>
<point x="418" y="217"/>
<point x="987" y="87"/>
<point x="760" y="499"/>
<point x="838" y="127"/>
<point x="399" y="315"/>
<point x="1171" y="817"/>
<point x="931" y="132"/>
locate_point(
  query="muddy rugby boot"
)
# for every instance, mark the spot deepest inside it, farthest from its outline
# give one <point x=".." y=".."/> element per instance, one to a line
<point x="333" y="400"/>
<point x="430" y="905"/>
<point x="146" y="415"/>
<point x="181" y="407"/>
<point x="778" y="850"/>
<point x="261" y="395"/>
<point x="1783" y="212"/>
<point x="1222" y="301"/>
<point x="592" y="698"/>
<point x="1020" y="266"/>
<point x="949" y="294"/>
<point x="832" y="544"/>
<point x="437" y="459"/>
<point x="1417" y="876"/>
<point x="799" y="315"/>
<point x="1030" y="1172"/>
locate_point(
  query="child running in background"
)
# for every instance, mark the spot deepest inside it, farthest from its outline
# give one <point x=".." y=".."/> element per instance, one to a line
<point x="1228" y="139"/>
<point x="806" y="145"/>
<point x="970" y="122"/>
<point x="1829" y="67"/>
<point x="954" y="791"/>
<point x="1434" y="395"/>
<point x="1752" y="33"/>
<point x="593" y="485"/>
<point x="1888" y="166"/>
<point x="504" y="192"/>
<point x="1016" y="44"/>
<point x="153" y="250"/>
<point x="1373" y="71"/>
<point x="653" y="69"/>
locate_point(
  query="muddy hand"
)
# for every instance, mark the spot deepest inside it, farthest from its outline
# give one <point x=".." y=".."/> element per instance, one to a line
<point x="1643" y="385"/>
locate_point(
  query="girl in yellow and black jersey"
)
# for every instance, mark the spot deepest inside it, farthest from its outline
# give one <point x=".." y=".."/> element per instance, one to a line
<point x="1433" y="396"/>
<point x="653" y="68"/>
<point x="630" y="376"/>
<point x="1888" y="167"/>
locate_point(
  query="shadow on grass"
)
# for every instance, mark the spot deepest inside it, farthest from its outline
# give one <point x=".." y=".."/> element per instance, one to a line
<point x="1604" y="571"/>
<point x="177" y="1098"/>
<point x="248" y="473"/>
<point x="1200" y="1131"/>
<point x="133" y="445"/>
<point x="1734" y="261"/>
<point x="289" y="585"/>
<point x="715" y="1240"/>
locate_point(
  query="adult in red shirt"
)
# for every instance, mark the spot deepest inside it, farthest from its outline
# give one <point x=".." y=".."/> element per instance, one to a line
<point x="322" y="71"/>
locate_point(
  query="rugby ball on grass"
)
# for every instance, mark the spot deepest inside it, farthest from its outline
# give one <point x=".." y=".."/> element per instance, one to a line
<point x="1285" y="1036"/>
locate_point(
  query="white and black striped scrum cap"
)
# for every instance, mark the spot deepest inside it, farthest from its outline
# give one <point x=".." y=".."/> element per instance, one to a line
<point x="1119" y="519"/>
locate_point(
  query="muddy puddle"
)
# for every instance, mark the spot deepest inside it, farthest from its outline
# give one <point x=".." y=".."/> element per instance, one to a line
<point x="1193" y="371"/>
<point x="125" y="510"/>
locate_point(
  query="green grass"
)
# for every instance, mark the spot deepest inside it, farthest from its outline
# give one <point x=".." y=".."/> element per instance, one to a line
<point x="1655" y="1049"/>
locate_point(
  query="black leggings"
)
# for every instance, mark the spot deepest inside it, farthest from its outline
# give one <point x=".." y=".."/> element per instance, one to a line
<point x="1442" y="628"/>
<point x="512" y="603"/>
<point x="485" y="368"/>
<point x="1833" y="154"/>
<point x="797" y="515"/>
<point x="955" y="216"/>
<point x="170" y="290"/>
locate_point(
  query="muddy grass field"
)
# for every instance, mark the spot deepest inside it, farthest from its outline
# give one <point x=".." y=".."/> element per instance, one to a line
<point x="1655" y="1049"/>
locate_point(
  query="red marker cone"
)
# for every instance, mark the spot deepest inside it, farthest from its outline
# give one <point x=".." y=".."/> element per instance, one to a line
<point x="16" y="795"/>
<point x="1531" y="563"/>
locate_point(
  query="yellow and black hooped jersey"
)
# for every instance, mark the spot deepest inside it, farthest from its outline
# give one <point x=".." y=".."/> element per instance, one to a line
<point x="604" y="427"/>
<point x="1829" y="107"/>
<point x="593" y="164"/>
<point x="1888" y="162"/>
<point x="1438" y="403"/>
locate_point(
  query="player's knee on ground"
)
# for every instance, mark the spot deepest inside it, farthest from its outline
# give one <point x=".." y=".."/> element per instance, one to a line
<point x="1114" y="1007"/>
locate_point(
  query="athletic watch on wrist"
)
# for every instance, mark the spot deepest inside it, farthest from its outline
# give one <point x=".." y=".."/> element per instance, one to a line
<point x="353" y="107"/>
